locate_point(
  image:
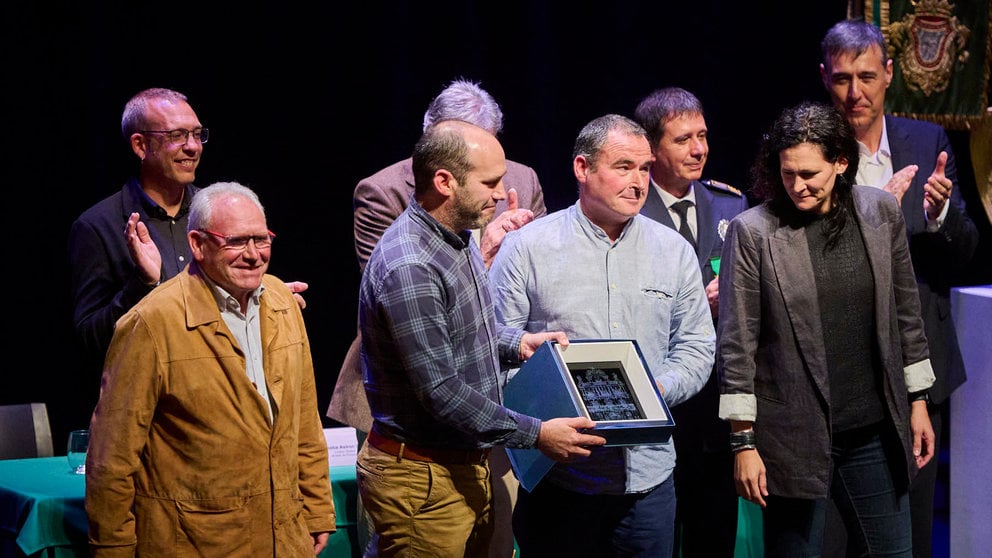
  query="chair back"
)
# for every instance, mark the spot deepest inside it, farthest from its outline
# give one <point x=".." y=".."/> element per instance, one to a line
<point x="25" y="431"/>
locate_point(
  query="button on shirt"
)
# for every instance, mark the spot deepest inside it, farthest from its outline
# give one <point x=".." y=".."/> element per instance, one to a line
<point x="167" y="231"/>
<point x="431" y="346"/>
<point x="562" y="272"/>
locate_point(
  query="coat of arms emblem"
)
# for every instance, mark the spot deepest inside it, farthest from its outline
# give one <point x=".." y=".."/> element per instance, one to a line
<point x="927" y="44"/>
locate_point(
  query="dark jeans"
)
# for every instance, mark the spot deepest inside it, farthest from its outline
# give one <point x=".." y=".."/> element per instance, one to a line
<point x="875" y="511"/>
<point x="552" y="521"/>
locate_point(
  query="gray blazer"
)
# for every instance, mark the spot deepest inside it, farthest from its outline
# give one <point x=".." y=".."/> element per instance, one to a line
<point x="379" y="199"/>
<point x="771" y="356"/>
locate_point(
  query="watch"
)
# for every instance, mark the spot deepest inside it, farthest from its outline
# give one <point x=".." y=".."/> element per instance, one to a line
<point x="922" y="395"/>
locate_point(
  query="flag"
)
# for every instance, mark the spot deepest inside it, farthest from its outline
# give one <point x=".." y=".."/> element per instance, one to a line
<point x="940" y="51"/>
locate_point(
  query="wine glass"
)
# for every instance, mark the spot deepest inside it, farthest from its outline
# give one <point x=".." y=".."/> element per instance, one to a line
<point x="79" y="440"/>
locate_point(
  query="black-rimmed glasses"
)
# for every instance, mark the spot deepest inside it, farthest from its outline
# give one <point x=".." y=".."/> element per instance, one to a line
<point x="181" y="135"/>
<point x="241" y="242"/>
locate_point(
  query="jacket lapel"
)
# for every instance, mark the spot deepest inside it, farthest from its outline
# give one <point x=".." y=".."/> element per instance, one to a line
<point x="202" y="311"/>
<point x="271" y="311"/>
<point x="903" y="154"/>
<point x="705" y="225"/>
<point x="899" y="144"/>
<point x="794" y="273"/>
<point x="654" y="208"/>
<point x="876" y="234"/>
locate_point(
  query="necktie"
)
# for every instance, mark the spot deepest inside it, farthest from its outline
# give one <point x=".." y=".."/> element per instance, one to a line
<point x="682" y="209"/>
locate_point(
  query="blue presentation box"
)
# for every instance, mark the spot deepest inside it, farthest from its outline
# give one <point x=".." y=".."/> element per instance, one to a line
<point x="604" y="380"/>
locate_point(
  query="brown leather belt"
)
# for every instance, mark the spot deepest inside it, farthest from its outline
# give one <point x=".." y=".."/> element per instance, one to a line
<point x="403" y="450"/>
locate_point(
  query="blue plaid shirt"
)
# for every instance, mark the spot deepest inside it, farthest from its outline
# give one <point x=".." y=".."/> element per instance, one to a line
<point x="431" y="347"/>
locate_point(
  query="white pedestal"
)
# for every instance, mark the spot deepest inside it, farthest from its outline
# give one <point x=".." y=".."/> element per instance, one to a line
<point x="971" y="426"/>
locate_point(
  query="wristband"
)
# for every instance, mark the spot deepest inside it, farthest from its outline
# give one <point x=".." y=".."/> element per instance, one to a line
<point x="922" y="395"/>
<point x="745" y="439"/>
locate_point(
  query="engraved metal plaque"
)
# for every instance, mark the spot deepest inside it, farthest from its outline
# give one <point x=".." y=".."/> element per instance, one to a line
<point x="607" y="381"/>
<point x="605" y="391"/>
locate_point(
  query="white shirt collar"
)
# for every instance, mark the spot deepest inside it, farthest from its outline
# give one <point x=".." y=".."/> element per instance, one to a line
<point x="875" y="169"/>
<point x="883" y="146"/>
<point x="669" y="199"/>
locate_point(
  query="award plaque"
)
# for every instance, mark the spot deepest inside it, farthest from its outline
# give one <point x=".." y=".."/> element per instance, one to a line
<point x="606" y="381"/>
<point x="605" y="391"/>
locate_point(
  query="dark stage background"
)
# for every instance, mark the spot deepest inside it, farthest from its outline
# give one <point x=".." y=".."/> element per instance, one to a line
<point x="302" y="102"/>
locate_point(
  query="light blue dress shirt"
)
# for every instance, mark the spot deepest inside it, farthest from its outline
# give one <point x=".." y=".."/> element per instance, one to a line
<point x="562" y="272"/>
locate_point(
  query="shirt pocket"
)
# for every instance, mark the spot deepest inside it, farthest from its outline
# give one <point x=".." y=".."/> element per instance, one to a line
<point x="654" y="301"/>
<point x="660" y="294"/>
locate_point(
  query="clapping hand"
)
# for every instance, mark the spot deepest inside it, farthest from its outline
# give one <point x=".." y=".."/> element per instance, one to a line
<point x="510" y="220"/>
<point x="900" y="181"/>
<point x="144" y="252"/>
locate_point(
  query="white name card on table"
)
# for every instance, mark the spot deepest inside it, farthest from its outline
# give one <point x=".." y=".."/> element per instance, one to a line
<point x="342" y="446"/>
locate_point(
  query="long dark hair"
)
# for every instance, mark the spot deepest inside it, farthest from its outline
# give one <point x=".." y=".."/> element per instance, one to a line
<point x="826" y="128"/>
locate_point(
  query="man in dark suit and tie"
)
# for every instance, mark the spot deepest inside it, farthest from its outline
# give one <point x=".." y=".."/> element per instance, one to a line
<point x="706" y="505"/>
<point x="913" y="160"/>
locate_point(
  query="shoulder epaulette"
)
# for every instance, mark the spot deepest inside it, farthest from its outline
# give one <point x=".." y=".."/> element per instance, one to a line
<point x="722" y="186"/>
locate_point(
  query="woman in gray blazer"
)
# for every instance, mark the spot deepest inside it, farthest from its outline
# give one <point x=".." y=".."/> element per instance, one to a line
<point x="824" y="366"/>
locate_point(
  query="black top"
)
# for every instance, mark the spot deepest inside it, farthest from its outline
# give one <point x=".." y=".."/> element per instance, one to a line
<point x="845" y="289"/>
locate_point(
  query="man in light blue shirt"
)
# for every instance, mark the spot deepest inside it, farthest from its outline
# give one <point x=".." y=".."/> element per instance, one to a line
<point x="599" y="270"/>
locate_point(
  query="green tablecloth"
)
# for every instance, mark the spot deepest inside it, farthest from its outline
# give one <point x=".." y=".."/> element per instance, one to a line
<point x="41" y="506"/>
<point x="344" y="542"/>
<point x="750" y="541"/>
<point x="42" y="513"/>
<point x="42" y="509"/>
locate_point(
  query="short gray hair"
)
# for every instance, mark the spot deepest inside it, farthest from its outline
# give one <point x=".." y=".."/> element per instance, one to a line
<point x="134" y="117"/>
<point x="594" y="135"/>
<point x="202" y="207"/>
<point x="467" y="101"/>
<point x="853" y="36"/>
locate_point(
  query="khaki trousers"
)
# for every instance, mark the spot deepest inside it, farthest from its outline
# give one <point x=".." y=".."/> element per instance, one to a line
<point x="426" y="509"/>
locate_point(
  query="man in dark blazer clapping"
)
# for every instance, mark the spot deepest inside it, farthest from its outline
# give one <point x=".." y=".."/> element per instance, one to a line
<point x="913" y="160"/>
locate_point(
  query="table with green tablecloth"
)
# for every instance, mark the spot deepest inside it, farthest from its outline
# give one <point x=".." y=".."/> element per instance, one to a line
<point x="42" y="510"/>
